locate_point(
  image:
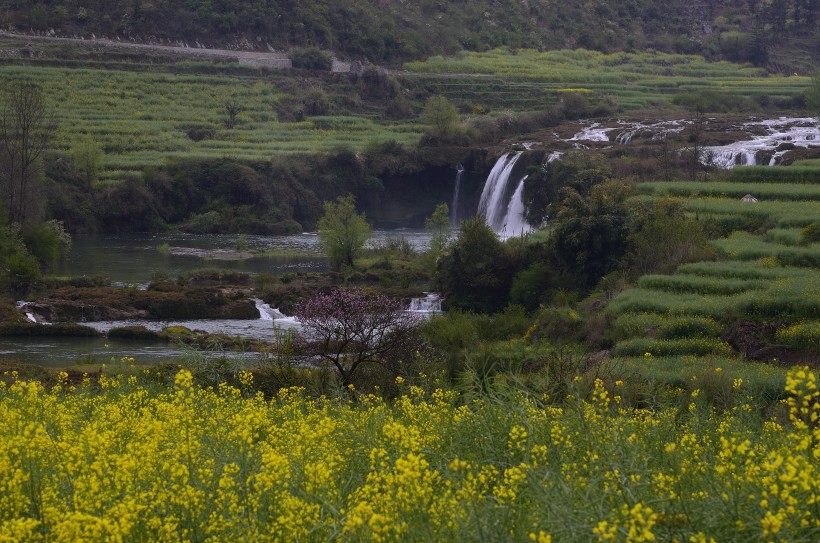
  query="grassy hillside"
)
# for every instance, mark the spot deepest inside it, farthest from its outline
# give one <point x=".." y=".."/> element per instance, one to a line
<point x="766" y="279"/>
<point x="390" y="30"/>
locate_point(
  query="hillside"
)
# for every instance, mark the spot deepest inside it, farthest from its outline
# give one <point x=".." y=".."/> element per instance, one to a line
<point x="771" y="31"/>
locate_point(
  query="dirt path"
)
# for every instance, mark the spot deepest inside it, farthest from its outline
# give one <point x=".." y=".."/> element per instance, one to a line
<point x="270" y="59"/>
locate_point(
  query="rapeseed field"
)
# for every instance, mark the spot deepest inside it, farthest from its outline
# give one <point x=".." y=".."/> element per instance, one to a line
<point x="122" y="458"/>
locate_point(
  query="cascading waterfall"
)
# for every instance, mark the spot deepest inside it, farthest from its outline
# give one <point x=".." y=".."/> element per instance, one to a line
<point x="492" y="203"/>
<point x="796" y="132"/>
<point x="431" y="303"/>
<point x="454" y="208"/>
<point x="514" y="223"/>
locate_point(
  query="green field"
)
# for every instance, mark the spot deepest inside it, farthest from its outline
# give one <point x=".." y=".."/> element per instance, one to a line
<point x="141" y="118"/>
<point x="770" y="274"/>
<point x="632" y="79"/>
<point x="142" y="112"/>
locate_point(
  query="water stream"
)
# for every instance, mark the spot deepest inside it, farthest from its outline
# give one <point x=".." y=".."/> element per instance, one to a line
<point x="133" y="259"/>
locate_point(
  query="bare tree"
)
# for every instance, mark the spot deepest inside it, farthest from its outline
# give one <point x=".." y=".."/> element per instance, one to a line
<point x="25" y="133"/>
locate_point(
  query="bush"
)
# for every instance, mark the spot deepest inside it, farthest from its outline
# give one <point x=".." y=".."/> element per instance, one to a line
<point x="810" y="233"/>
<point x="48" y="242"/>
<point x="803" y="336"/>
<point x="311" y="58"/>
<point x="671" y="347"/>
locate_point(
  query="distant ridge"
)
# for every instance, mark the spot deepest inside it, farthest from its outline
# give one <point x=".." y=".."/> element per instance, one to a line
<point x="391" y="31"/>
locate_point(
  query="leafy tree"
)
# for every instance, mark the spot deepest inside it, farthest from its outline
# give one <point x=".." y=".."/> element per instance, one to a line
<point x="87" y="153"/>
<point x="342" y="231"/>
<point x="25" y="134"/>
<point x="663" y="239"/>
<point x="441" y="117"/>
<point x="474" y="272"/>
<point x="576" y="170"/>
<point x="813" y="94"/>
<point x="350" y="328"/>
<point x="439" y="224"/>
<point x="233" y="107"/>
<point x="590" y="232"/>
<point x="311" y="58"/>
<point x="18" y="269"/>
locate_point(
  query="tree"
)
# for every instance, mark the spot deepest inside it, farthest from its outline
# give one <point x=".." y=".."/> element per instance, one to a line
<point x="342" y="231"/>
<point x="233" y="107"/>
<point x="87" y="153"/>
<point x="474" y="272"/>
<point x="439" y="224"/>
<point x="25" y="130"/>
<point x="349" y="328"/>
<point x="590" y="232"/>
<point x="813" y="94"/>
<point x="441" y="116"/>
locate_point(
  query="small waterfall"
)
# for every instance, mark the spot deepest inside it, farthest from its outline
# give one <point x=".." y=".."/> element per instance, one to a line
<point x="24" y="306"/>
<point x="514" y="223"/>
<point x="592" y="133"/>
<point x="798" y="132"/>
<point x="492" y="204"/>
<point x="454" y="207"/>
<point x="431" y="303"/>
<point x="266" y="312"/>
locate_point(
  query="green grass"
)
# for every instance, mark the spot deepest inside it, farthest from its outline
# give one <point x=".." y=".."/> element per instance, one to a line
<point x="633" y="79"/>
<point x="745" y="246"/>
<point x="141" y="118"/>
<point x="762" y="191"/>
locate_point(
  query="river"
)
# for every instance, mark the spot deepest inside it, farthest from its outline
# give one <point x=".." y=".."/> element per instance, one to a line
<point x="134" y="259"/>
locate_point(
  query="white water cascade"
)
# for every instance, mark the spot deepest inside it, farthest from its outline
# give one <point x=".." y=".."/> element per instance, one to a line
<point x="493" y="204"/>
<point x="431" y="303"/>
<point x="795" y="132"/>
<point x="454" y="208"/>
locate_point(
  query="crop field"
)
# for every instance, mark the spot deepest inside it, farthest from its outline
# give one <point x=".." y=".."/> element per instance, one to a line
<point x="141" y="112"/>
<point x="770" y="275"/>
<point x="633" y="79"/>
<point x="141" y="118"/>
<point x="761" y="191"/>
<point x="130" y="459"/>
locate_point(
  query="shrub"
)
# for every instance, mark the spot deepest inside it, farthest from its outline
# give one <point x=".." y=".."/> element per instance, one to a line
<point x="803" y="336"/>
<point x="311" y="58"/>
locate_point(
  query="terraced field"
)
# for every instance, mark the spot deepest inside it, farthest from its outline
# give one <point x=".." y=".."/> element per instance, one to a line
<point x="141" y="110"/>
<point x="769" y="276"/>
<point x="142" y="119"/>
<point x="633" y="79"/>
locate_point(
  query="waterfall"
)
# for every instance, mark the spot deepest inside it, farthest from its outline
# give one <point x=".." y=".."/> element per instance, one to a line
<point x="797" y="132"/>
<point x="266" y="312"/>
<point x="492" y="203"/>
<point x="431" y="303"/>
<point x="454" y="208"/>
<point x="514" y="223"/>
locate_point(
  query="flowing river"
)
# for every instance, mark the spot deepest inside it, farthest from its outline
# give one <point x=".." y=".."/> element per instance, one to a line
<point x="134" y="259"/>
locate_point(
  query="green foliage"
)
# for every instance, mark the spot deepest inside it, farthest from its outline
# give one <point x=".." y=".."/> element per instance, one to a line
<point x="473" y="273"/>
<point x="812" y="94"/>
<point x="311" y="58"/>
<point x="576" y="170"/>
<point x="589" y="233"/>
<point x="663" y="239"/>
<point x="671" y="347"/>
<point x="87" y="154"/>
<point x="439" y="225"/>
<point x="342" y="231"/>
<point x="18" y="269"/>
<point x="441" y="117"/>
<point x="804" y="336"/>
<point x="810" y="233"/>
<point x="48" y="242"/>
